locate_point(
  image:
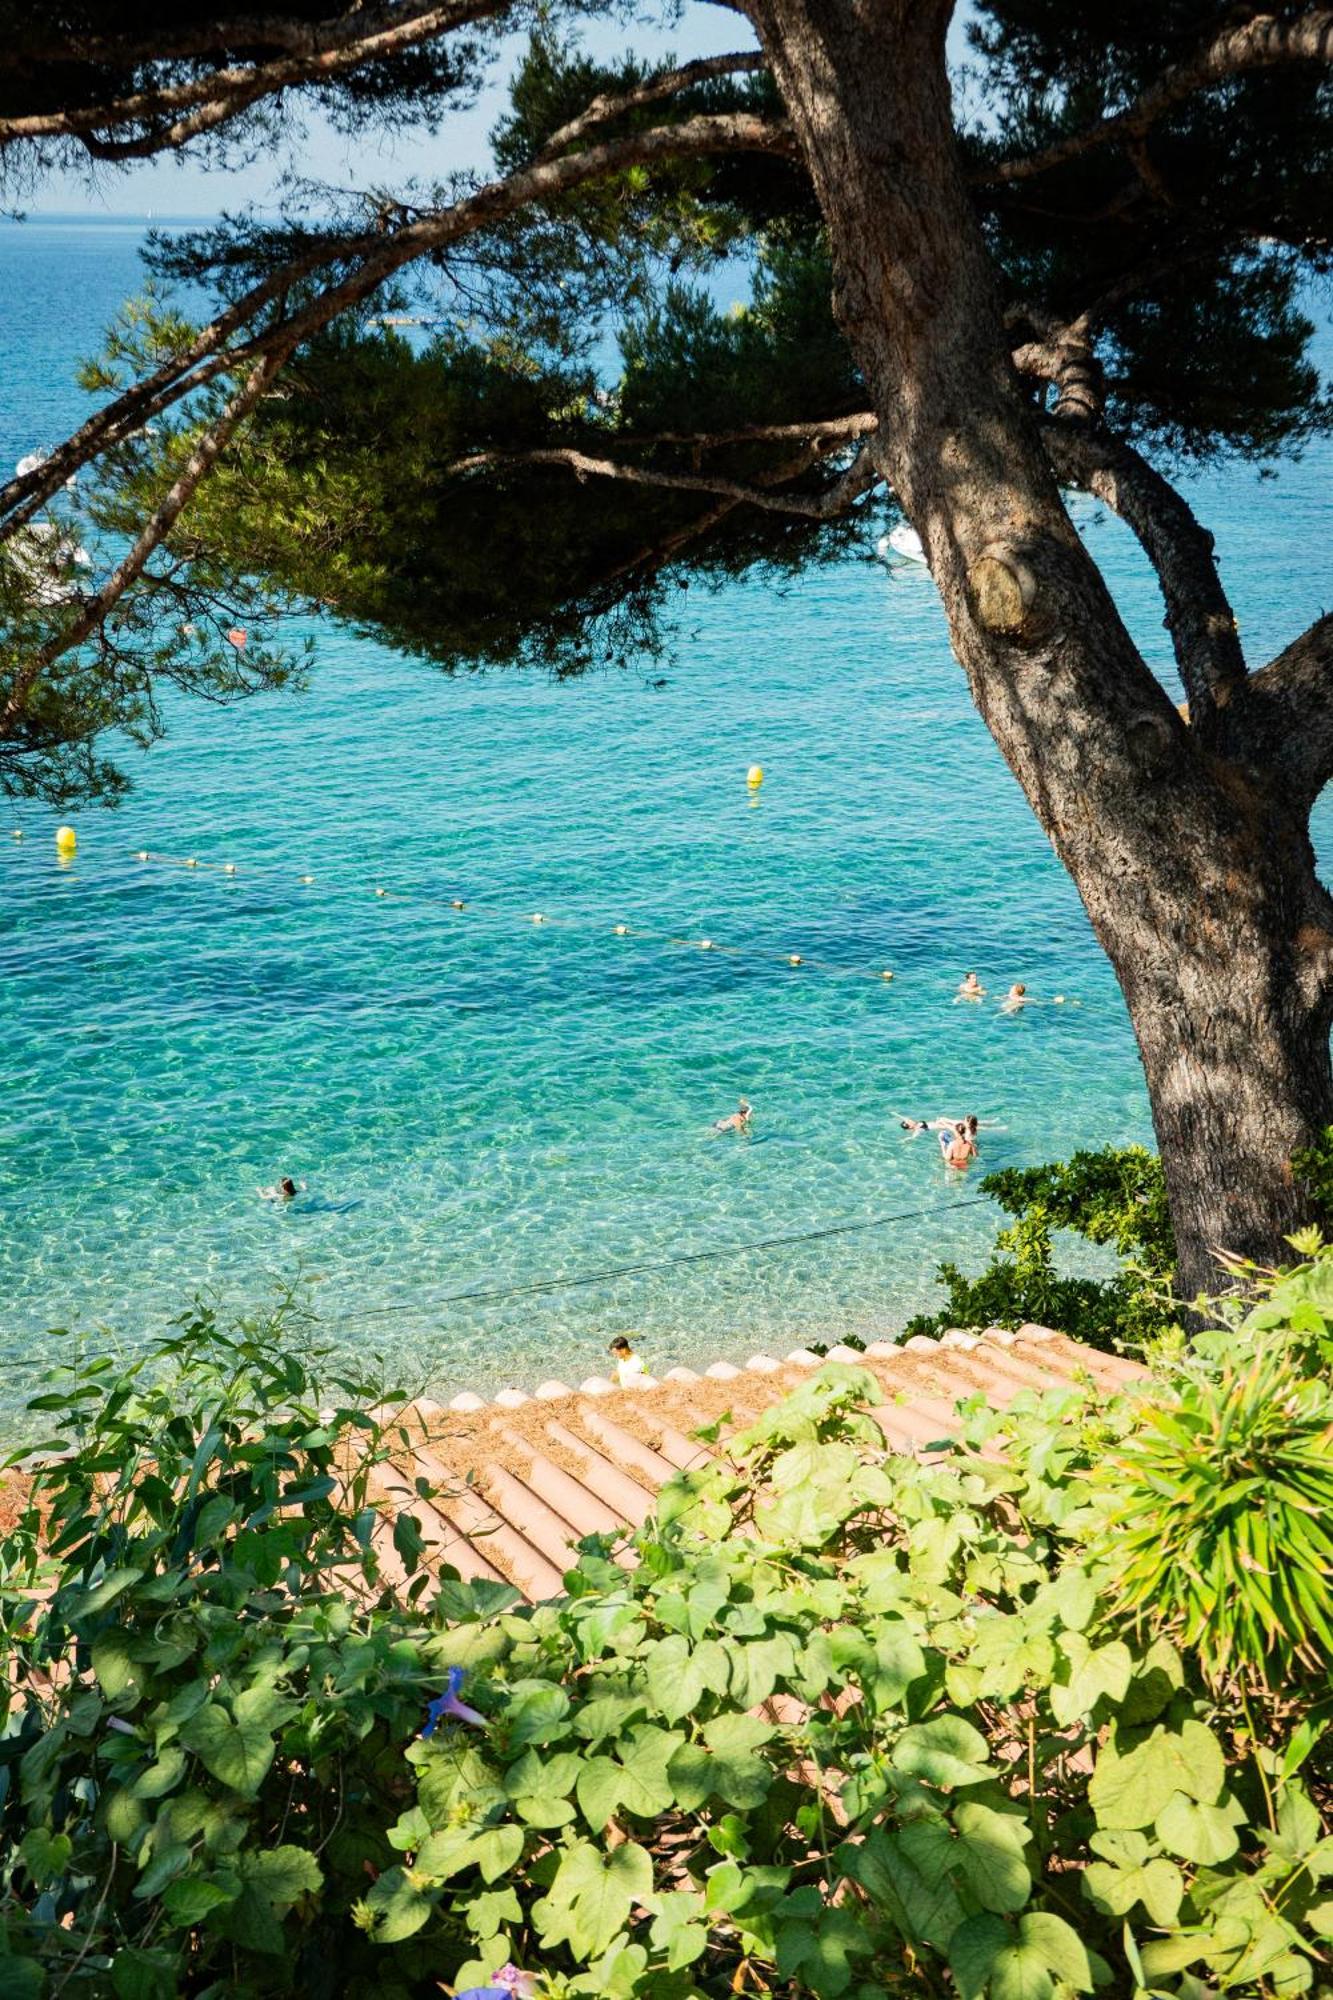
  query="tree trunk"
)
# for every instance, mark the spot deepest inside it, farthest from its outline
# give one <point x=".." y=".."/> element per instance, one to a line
<point x="1199" y="885"/>
<point x="1232" y="1027"/>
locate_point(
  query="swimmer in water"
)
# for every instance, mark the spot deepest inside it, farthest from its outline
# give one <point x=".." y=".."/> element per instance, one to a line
<point x="630" y="1371"/>
<point x="914" y="1127"/>
<point x="283" y="1190"/>
<point x="970" y="988"/>
<point x="957" y="1146"/>
<point x="1015" y="998"/>
<point x="739" y="1121"/>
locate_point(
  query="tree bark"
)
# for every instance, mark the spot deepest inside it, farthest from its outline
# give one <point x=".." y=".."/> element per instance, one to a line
<point x="1197" y="875"/>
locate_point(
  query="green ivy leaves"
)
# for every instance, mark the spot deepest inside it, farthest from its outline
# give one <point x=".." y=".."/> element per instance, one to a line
<point x="590" y="1899"/>
<point x="1136" y="1779"/>
<point x="236" y="1750"/>
<point x="989" y="1958"/>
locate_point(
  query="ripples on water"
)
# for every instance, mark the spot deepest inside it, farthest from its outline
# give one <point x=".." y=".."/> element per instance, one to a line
<point x="477" y="1102"/>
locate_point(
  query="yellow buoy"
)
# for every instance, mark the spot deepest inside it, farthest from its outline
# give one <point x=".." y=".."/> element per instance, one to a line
<point x="307" y="880"/>
<point x="17" y="833"/>
<point x="229" y="867"/>
<point x="886" y="975"/>
<point x="754" y="777"/>
<point x="794" y="958"/>
<point x="537" y="917"/>
<point x="66" y="840"/>
<point x="622" y="930"/>
<point x="381" y="892"/>
<point x="142" y="854"/>
<point x="458" y="903"/>
<point x="705" y="944"/>
<point x="192" y="863"/>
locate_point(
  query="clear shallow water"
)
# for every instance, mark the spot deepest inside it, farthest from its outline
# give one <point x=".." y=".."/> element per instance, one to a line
<point x="479" y="1103"/>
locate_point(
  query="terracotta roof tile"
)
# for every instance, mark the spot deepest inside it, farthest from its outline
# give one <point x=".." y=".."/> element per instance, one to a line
<point x="512" y="1484"/>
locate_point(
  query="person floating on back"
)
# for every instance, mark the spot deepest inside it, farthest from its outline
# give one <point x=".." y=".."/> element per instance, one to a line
<point x="971" y="1125"/>
<point x="283" y="1190"/>
<point x="946" y="1127"/>
<point x="739" y="1121"/>
<point x="630" y="1370"/>
<point x="957" y="1146"/>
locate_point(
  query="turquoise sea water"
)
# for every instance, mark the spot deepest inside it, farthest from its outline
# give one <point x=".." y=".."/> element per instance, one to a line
<point x="479" y="1103"/>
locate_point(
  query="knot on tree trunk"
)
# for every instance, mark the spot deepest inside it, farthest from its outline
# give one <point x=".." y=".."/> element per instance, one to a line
<point x="1153" y="740"/>
<point x="1006" y="594"/>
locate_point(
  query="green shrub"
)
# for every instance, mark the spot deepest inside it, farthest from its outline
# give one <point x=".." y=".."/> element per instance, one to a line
<point x="1218" y="1522"/>
<point x="209" y="1699"/>
<point x="855" y="1725"/>
<point x="1115" y="1197"/>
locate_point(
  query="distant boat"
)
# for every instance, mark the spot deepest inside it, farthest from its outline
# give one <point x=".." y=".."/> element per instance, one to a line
<point x="901" y="541"/>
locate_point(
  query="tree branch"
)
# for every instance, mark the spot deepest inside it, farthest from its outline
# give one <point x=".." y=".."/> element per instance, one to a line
<point x="293" y="34"/>
<point x="863" y="423"/>
<point x="1263" y="42"/>
<point x="224" y="93"/>
<point x="154" y="531"/>
<point x="603" y="109"/>
<point x="648" y="560"/>
<point x="860" y="476"/>
<point x="1198" y="615"/>
<point x="1065" y="357"/>
<point x="1284" y="719"/>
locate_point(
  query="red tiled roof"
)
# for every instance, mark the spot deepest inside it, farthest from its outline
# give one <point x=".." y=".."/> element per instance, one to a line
<point x="514" y="1482"/>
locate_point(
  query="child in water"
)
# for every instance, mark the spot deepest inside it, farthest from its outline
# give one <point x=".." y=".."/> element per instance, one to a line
<point x="284" y="1190"/>
<point x="630" y="1371"/>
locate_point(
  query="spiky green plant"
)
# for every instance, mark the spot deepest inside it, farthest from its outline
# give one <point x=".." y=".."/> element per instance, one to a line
<point x="1217" y="1517"/>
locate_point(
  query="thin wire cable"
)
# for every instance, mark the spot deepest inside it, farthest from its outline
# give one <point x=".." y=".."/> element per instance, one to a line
<point x="543" y="1285"/>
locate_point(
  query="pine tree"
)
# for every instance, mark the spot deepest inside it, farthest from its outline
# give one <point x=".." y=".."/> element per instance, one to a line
<point x="1090" y="275"/>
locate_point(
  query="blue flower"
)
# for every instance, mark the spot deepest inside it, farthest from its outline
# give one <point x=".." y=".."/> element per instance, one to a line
<point x="511" y="1984"/>
<point x="447" y="1707"/>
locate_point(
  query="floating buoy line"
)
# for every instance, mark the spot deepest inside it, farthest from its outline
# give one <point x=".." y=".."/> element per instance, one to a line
<point x="534" y="919"/>
<point x="462" y="906"/>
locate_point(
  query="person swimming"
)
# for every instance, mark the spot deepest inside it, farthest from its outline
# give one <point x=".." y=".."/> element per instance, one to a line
<point x="1015" y="998"/>
<point x="739" y="1121"/>
<point x="970" y="988"/>
<point x="284" y="1190"/>
<point x="630" y="1370"/>
<point x="958" y="1147"/>
<point x="914" y="1127"/>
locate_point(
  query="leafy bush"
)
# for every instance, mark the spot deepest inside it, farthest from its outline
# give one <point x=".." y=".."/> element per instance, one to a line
<point x="1114" y="1197"/>
<point x="208" y="1699"/>
<point x="1221" y="1499"/>
<point x="854" y="1725"/>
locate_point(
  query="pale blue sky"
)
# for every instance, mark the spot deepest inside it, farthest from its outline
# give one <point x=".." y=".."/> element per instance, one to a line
<point x="181" y="186"/>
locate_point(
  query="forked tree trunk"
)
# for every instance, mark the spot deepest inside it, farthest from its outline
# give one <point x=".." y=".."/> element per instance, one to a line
<point x="1199" y="882"/>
